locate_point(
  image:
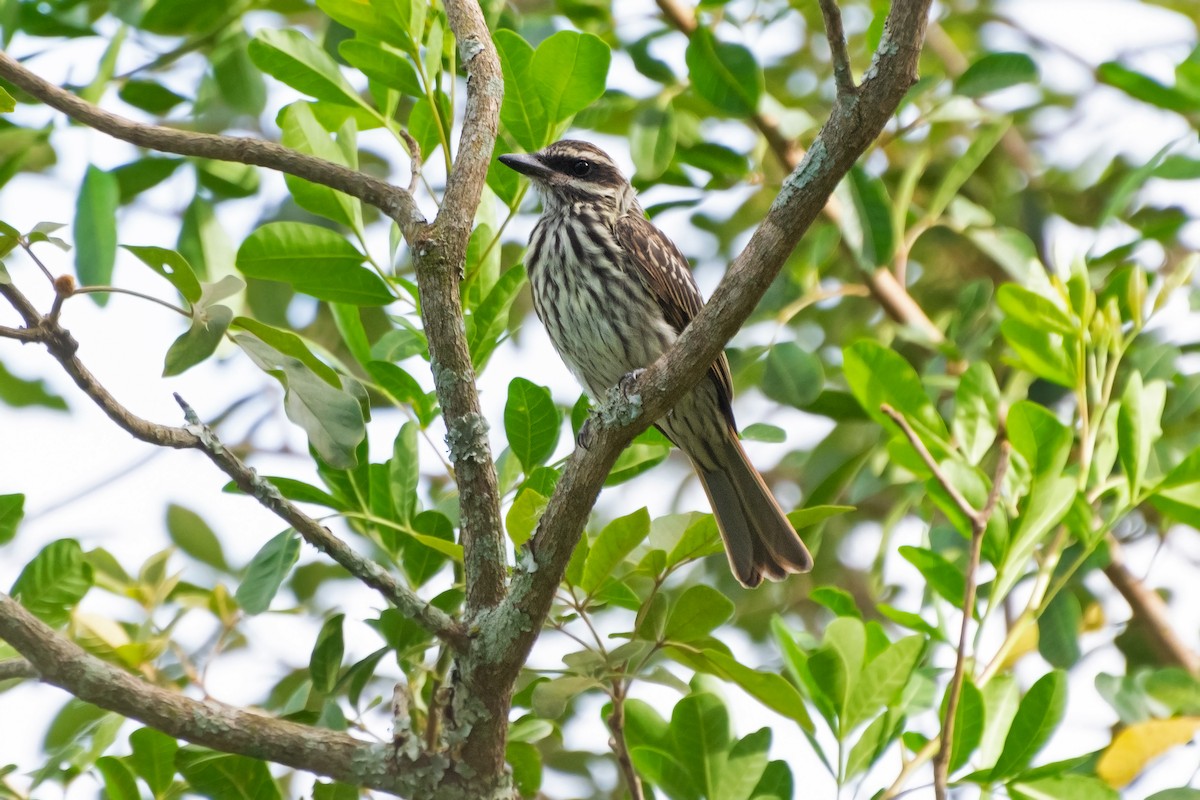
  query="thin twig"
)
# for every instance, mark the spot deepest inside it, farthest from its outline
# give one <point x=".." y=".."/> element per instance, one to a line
<point x="197" y="436"/>
<point x="1149" y="610"/>
<point x="391" y="200"/>
<point x="965" y="507"/>
<point x="414" y="157"/>
<point x="15" y="668"/>
<point x="979" y="523"/>
<point x="620" y="748"/>
<point x="836" y="35"/>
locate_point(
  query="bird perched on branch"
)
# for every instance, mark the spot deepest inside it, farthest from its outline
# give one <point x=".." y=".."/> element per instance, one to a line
<point x="614" y="293"/>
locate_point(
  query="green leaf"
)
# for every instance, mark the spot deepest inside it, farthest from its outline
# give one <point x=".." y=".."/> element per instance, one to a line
<point x="292" y="58"/>
<point x="12" y="511"/>
<point x="726" y="75"/>
<point x="522" y="518"/>
<point x="882" y="680"/>
<point x="1036" y="311"/>
<point x="526" y="762"/>
<point x="976" y="411"/>
<point x="119" y="783"/>
<point x="332" y="418"/>
<point x="153" y="758"/>
<point x="652" y="141"/>
<point x="302" y="132"/>
<point x="941" y="576"/>
<point x="996" y="71"/>
<point x="874" y="216"/>
<point x="1039" y="438"/>
<point x="325" y="663"/>
<point x="743" y="766"/>
<point x="696" y="613"/>
<point x="769" y="688"/>
<point x="17" y="392"/>
<point x="173" y="267"/>
<point x="700" y="732"/>
<point x="381" y="64"/>
<point x="290" y="344"/>
<point x="569" y="71"/>
<point x="8" y="103"/>
<point x="763" y="432"/>
<point x="54" y="582"/>
<point x="616" y="541"/>
<point x="968" y="725"/>
<point x="878" y="375"/>
<point x="144" y="173"/>
<point x="220" y="776"/>
<point x="868" y="747"/>
<point x="192" y="534"/>
<point x="404" y="472"/>
<point x="403" y="389"/>
<point x="389" y="20"/>
<point x="200" y="340"/>
<point x="96" y="230"/>
<point x="531" y="422"/>
<point x="1041" y="352"/>
<point x="432" y="543"/>
<point x="487" y="322"/>
<point x="149" y="96"/>
<point x="266" y="571"/>
<point x="1064" y="787"/>
<point x="315" y="261"/>
<point x="522" y="111"/>
<point x="1059" y="630"/>
<point x="1139" y="427"/>
<point x="835" y="666"/>
<point x="983" y="141"/>
<point x="1038" y="715"/>
<point x="1000" y="702"/>
<point x="1143" y="87"/>
<point x="792" y="376"/>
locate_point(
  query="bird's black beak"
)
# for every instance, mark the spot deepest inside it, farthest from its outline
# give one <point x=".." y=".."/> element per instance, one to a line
<point x="526" y="164"/>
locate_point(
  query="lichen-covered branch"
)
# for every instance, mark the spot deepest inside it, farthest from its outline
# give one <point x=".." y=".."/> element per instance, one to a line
<point x="842" y="74"/>
<point x="62" y="663"/>
<point x="62" y="347"/>
<point x="392" y="200"/>
<point x="439" y="257"/>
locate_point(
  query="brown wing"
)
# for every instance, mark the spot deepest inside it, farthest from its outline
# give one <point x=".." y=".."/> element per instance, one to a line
<point x="665" y="272"/>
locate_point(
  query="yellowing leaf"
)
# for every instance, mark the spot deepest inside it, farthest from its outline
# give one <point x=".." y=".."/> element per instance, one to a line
<point x="1133" y="748"/>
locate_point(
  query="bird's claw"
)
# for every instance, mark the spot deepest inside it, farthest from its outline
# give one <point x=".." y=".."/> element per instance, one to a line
<point x="628" y="382"/>
<point x="587" y="433"/>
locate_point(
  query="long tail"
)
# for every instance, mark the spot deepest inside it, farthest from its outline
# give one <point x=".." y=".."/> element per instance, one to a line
<point x="759" y="540"/>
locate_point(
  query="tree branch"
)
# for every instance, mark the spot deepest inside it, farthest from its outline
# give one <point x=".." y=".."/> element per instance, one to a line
<point x="195" y="436"/>
<point x="440" y="258"/>
<point x="1149" y="610"/>
<point x="391" y="200"/>
<point x="222" y="727"/>
<point x="851" y="128"/>
<point x="14" y="668"/>
<point x="891" y="295"/>
<point x="842" y="75"/>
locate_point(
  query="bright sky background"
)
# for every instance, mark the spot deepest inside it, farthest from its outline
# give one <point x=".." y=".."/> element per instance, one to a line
<point x="53" y="458"/>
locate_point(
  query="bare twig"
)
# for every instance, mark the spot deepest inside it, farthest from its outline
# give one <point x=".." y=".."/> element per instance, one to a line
<point x="14" y="668"/>
<point x="392" y="200"/>
<point x="1149" y="610"/>
<point x="62" y="347"/>
<point x="414" y="157"/>
<point x="836" y="35"/>
<point x="620" y="748"/>
<point x="979" y="523"/>
<point x="62" y="663"/>
<point x="963" y="505"/>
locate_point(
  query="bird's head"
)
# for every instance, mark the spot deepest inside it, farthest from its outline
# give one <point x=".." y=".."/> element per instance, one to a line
<point x="569" y="172"/>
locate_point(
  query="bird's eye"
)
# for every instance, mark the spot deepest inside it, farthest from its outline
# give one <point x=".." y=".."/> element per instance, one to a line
<point x="581" y="168"/>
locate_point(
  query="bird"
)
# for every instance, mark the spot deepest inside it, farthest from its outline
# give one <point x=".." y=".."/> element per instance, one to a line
<point x="614" y="293"/>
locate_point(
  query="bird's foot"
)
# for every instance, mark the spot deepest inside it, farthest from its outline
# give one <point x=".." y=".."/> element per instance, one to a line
<point x="587" y="433"/>
<point x="622" y="404"/>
